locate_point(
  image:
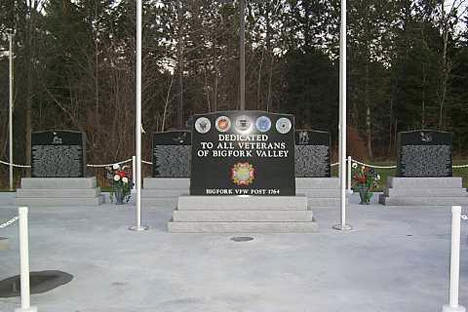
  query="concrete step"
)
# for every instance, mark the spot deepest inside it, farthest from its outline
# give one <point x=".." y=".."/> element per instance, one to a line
<point x="317" y="183"/>
<point x="242" y="203"/>
<point x="427" y="183"/>
<point x="242" y="227"/>
<point x="323" y="202"/>
<point x="167" y="183"/>
<point x="59" y="202"/>
<point x="239" y="216"/>
<point x="423" y="201"/>
<point x="147" y="193"/>
<point x="3" y="243"/>
<point x="58" y="193"/>
<point x="58" y="183"/>
<point x="321" y="192"/>
<point x="418" y="192"/>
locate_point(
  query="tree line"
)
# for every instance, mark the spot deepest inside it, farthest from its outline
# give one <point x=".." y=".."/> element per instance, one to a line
<point x="75" y="68"/>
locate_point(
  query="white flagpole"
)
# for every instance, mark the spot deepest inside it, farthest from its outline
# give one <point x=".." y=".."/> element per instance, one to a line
<point x="138" y="126"/>
<point x="342" y="127"/>
<point x="10" y="116"/>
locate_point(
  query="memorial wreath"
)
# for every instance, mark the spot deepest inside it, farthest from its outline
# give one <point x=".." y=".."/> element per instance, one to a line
<point x="365" y="181"/>
<point x="120" y="182"/>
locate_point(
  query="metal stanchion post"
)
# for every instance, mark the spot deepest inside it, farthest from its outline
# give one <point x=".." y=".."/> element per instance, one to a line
<point x="453" y="305"/>
<point x="350" y="163"/>
<point x="24" y="261"/>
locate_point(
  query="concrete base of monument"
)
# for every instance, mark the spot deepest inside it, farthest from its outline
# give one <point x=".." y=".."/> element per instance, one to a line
<point x="58" y="192"/>
<point x="321" y="192"/>
<point x="157" y="190"/>
<point x="241" y="214"/>
<point x="402" y="191"/>
<point x="3" y="243"/>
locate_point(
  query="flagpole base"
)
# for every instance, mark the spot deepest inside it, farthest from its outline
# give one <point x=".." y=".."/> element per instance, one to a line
<point x="448" y="308"/>
<point x="343" y="228"/>
<point x="30" y="309"/>
<point x="138" y="228"/>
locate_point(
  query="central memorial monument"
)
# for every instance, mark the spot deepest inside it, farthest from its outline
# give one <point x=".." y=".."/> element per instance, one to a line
<point x="239" y="153"/>
<point x="242" y="176"/>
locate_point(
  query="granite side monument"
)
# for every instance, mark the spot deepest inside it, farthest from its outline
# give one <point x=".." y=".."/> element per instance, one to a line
<point x="57" y="154"/>
<point x="57" y="170"/>
<point x="424" y="172"/>
<point x="171" y="154"/>
<point x="424" y="153"/>
<point x="312" y="153"/>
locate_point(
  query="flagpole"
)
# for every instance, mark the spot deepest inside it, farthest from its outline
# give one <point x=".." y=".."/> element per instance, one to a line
<point x="342" y="124"/>
<point x="138" y="126"/>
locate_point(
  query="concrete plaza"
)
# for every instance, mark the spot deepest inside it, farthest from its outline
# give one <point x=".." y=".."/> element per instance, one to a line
<point x="396" y="259"/>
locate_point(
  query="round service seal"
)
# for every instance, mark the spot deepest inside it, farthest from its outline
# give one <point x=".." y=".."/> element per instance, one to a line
<point x="223" y="123"/>
<point x="283" y="125"/>
<point x="263" y="123"/>
<point x="243" y="123"/>
<point x="202" y="125"/>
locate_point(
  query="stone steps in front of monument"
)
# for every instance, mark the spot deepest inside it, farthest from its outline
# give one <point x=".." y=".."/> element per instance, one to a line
<point x="166" y="183"/>
<point x="318" y="183"/>
<point x="419" y="192"/>
<point x="243" y="227"/>
<point x="59" y="202"/>
<point x="242" y="203"/>
<point x="57" y="193"/>
<point x="163" y="192"/>
<point x="242" y="216"/>
<point x="59" y="183"/>
<point x="423" y="201"/>
<point x="424" y="183"/>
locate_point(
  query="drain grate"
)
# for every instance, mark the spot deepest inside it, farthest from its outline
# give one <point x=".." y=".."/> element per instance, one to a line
<point x="242" y="239"/>
<point x="40" y="282"/>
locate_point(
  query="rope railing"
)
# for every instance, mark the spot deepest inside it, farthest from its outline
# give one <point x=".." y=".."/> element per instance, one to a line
<point x="14" y="165"/>
<point x="150" y="163"/>
<point x="9" y="222"/>
<point x="110" y="165"/>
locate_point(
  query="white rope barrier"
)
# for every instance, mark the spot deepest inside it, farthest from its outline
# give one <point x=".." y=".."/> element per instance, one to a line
<point x="110" y="165"/>
<point x="14" y="165"/>
<point x="9" y="222"/>
<point x="335" y="164"/>
<point x="147" y="162"/>
<point x="372" y="166"/>
<point x="459" y="166"/>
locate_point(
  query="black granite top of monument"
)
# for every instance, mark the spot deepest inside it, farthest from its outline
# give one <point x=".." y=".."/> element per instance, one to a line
<point x="243" y="153"/>
<point x="424" y="153"/>
<point x="57" y="153"/>
<point x="312" y="153"/>
<point x="171" y="154"/>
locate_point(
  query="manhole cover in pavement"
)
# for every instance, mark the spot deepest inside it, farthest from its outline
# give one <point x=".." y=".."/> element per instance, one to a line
<point x="242" y="239"/>
<point x="40" y="282"/>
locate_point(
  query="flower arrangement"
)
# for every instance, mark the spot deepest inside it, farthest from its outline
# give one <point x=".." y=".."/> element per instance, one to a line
<point x="121" y="183"/>
<point x="365" y="181"/>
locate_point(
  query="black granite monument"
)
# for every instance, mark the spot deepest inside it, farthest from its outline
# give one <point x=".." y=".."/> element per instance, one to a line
<point x="171" y="154"/>
<point x="424" y="153"/>
<point x="243" y="153"/>
<point x="57" y="154"/>
<point x="312" y="153"/>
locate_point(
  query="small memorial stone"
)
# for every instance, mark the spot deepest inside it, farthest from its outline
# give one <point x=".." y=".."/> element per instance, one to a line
<point x="312" y="153"/>
<point x="425" y="153"/>
<point x="243" y="153"/>
<point x="171" y="154"/>
<point x="57" y="154"/>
